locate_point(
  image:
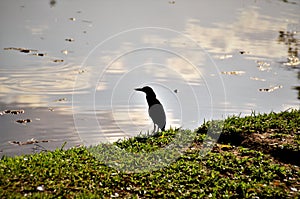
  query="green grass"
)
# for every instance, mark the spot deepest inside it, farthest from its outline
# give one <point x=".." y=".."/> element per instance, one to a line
<point x="239" y="166"/>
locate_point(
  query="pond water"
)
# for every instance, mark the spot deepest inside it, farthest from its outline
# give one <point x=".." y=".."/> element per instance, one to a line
<point x="71" y="66"/>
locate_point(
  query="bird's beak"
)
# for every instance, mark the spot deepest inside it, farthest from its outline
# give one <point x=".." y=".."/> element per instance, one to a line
<point x="138" y="89"/>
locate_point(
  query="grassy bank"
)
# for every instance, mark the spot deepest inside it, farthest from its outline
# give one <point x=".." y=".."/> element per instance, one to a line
<point x="257" y="156"/>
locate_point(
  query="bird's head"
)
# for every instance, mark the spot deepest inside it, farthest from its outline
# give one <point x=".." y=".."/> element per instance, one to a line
<point x="148" y="90"/>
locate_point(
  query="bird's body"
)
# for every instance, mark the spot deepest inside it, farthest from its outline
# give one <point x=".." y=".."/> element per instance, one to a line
<point x="156" y="110"/>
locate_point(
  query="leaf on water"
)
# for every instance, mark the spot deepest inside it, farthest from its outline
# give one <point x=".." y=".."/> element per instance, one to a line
<point x="14" y="112"/>
<point x="31" y="141"/>
<point x="58" y="60"/>
<point x="39" y="54"/>
<point x="233" y="72"/>
<point x="271" y="89"/>
<point x="61" y="100"/>
<point x="24" y="121"/>
<point x="81" y="71"/>
<point x="292" y="61"/>
<point x="22" y="50"/>
<point x="263" y="66"/>
<point x="242" y="52"/>
<point x="25" y="51"/>
<point x="70" y="39"/>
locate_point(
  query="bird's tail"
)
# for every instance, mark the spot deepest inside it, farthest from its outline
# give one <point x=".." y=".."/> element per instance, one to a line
<point x="163" y="128"/>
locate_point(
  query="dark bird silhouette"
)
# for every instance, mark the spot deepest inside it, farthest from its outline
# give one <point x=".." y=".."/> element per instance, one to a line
<point x="156" y="110"/>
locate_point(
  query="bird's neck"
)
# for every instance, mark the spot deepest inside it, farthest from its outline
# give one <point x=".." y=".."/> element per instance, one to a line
<point x="151" y="100"/>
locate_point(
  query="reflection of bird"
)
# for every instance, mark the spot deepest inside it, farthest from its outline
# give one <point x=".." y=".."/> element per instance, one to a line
<point x="156" y="110"/>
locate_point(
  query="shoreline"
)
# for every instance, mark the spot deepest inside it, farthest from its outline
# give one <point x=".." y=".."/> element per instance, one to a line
<point x="256" y="156"/>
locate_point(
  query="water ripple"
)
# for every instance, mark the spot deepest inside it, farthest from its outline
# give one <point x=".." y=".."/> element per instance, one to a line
<point x="44" y="80"/>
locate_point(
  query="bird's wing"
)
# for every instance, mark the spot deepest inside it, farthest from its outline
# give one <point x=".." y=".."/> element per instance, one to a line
<point x="157" y="114"/>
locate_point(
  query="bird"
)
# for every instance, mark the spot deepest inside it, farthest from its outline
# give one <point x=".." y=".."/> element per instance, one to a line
<point x="156" y="110"/>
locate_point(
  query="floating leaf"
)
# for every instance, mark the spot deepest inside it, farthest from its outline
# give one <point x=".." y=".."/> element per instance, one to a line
<point x="22" y="50"/>
<point x="263" y="66"/>
<point x="39" y="54"/>
<point x="233" y="72"/>
<point x="244" y="52"/>
<point x="58" y="60"/>
<point x="81" y="71"/>
<point x="70" y="39"/>
<point x="14" y="112"/>
<point x="271" y="89"/>
<point x="292" y="61"/>
<point x="61" y="99"/>
<point x="31" y="141"/>
<point x="24" y="121"/>
<point x="25" y="51"/>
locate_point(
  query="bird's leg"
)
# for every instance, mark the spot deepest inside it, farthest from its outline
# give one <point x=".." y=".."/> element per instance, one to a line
<point x="154" y="129"/>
